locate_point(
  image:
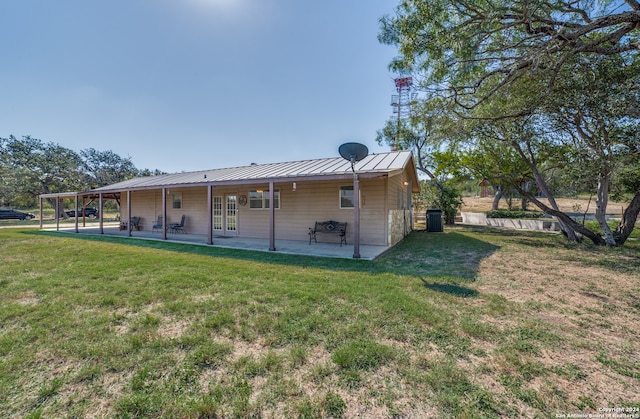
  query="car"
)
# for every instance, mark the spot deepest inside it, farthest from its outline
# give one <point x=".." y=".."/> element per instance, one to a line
<point x="90" y="212"/>
<point x="9" y="214"/>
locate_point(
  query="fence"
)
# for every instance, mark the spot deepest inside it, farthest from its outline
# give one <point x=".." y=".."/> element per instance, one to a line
<point x="420" y="220"/>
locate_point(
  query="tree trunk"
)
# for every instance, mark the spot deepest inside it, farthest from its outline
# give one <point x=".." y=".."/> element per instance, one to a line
<point x="496" y="198"/>
<point x="524" y="201"/>
<point x="628" y="221"/>
<point x="602" y="200"/>
<point x="59" y="210"/>
<point x="566" y="223"/>
<point x="569" y="223"/>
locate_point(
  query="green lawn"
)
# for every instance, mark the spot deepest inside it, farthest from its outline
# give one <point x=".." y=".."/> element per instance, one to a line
<point x="470" y="323"/>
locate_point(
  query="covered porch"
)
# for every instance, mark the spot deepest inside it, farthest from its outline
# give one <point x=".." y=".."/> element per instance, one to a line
<point x="292" y="247"/>
<point x="266" y="207"/>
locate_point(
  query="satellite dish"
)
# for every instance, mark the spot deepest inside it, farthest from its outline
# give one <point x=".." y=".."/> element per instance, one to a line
<point x="353" y="151"/>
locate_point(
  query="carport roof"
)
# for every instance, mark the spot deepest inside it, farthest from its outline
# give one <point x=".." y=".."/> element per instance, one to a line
<point x="374" y="165"/>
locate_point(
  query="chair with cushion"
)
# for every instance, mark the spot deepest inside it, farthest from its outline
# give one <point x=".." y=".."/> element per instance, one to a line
<point x="178" y="227"/>
<point x="158" y="224"/>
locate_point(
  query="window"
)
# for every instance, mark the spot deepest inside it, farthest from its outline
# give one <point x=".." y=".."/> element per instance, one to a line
<point x="176" y="201"/>
<point x="259" y="199"/>
<point x="346" y="196"/>
<point x="217" y="213"/>
<point x="256" y="199"/>
<point x="404" y="196"/>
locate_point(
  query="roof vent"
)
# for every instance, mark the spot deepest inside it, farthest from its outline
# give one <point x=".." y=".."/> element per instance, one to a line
<point x="254" y="164"/>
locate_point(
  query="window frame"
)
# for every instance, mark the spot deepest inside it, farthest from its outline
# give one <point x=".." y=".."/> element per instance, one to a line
<point x="217" y="207"/>
<point x="176" y="200"/>
<point x="261" y="196"/>
<point x="348" y="188"/>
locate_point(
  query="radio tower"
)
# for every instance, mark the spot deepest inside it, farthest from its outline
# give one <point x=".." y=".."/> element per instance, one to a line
<point x="402" y="101"/>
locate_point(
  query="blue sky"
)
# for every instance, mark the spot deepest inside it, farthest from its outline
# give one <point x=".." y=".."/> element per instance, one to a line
<point x="183" y="85"/>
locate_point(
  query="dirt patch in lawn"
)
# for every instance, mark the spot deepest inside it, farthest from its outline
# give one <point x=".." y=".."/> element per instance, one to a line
<point x="587" y="308"/>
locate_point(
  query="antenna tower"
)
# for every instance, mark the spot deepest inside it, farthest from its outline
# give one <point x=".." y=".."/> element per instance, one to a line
<point x="402" y="101"/>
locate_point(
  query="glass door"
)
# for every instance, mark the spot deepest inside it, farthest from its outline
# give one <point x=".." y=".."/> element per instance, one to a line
<point x="231" y="215"/>
<point x="218" y="214"/>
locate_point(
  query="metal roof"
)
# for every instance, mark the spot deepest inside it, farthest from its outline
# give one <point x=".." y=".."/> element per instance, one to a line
<point x="317" y="169"/>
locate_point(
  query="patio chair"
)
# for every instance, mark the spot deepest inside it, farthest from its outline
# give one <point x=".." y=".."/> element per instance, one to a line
<point x="158" y="224"/>
<point x="176" y="227"/>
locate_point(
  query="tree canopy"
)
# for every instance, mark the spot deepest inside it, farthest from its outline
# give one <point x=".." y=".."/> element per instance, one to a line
<point x="30" y="167"/>
<point x="545" y="88"/>
<point x="473" y="48"/>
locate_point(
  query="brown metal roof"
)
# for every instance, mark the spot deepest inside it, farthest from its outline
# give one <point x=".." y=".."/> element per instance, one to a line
<point x="328" y="168"/>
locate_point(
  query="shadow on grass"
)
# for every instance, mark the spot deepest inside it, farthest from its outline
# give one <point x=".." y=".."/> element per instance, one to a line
<point x="619" y="260"/>
<point x="456" y="254"/>
<point x="452" y="289"/>
<point x="431" y="255"/>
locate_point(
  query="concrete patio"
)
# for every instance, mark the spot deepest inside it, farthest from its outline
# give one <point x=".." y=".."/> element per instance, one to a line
<point x="292" y="247"/>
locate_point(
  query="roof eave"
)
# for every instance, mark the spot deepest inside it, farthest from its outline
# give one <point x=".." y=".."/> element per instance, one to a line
<point x="302" y="178"/>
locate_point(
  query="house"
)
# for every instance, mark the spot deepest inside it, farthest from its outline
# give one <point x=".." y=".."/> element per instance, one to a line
<point x="276" y="201"/>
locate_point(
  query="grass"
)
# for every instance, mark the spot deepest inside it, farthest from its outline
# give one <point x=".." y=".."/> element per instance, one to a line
<point x="474" y="322"/>
<point x="48" y="219"/>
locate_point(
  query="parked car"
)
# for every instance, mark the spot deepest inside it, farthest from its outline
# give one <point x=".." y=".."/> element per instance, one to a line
<point x="9" y="214"/>
<point x="88" y="212"/>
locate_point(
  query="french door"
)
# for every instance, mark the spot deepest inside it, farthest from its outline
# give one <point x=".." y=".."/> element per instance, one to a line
<point x="231" y="215"/>
<point x="225" y="215"/>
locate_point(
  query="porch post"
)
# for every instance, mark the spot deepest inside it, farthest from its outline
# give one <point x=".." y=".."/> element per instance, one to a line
<point x="100" y="211"/>
<point x="210" y="214"/>
<point x="272" y="218"/>
<point x="76" y="203"/>
<point x="356" y="217"/>
<point x="56" y="213"/>
<point x="129" y="212"/>
<point x="164" y="213"/>
<point x="40" y="213"/>
<point x="84" y="216"/>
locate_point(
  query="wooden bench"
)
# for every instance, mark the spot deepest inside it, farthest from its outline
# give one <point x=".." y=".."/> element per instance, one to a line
<point x="334" y="227"/>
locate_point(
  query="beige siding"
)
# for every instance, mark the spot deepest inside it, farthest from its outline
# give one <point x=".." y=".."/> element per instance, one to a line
<point x="142" y="205"/>
<point x="399" y="216"/>
<point x="148" y="205"/>
<point x="398" y="193"/>
<point x="311" y="201"/>
<point x="317" y="201"/>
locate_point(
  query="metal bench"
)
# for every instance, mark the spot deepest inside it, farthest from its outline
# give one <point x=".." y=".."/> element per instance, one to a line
<point x="334" y="227"/>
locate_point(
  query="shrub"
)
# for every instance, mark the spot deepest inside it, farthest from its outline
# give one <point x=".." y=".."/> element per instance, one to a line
<point x="514" y="214"/>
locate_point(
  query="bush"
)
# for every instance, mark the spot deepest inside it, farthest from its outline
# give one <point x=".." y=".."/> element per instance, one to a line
<point x="514" y="214"/>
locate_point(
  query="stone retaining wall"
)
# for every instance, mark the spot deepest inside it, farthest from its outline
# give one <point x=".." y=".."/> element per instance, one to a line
<point x="480" y="218"/>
